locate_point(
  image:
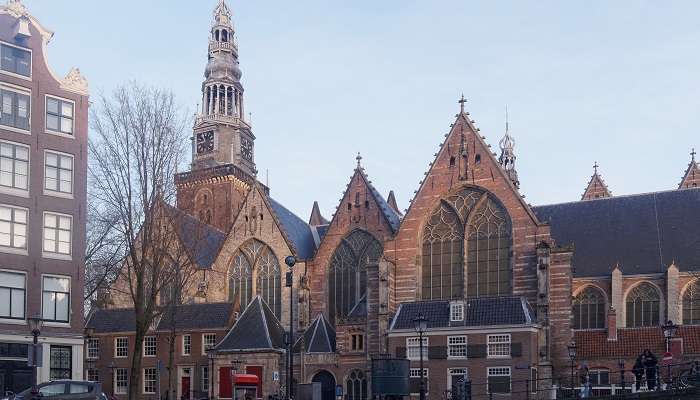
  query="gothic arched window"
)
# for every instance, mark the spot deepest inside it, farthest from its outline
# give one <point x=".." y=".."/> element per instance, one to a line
<point x="691" y="304"/>
<point x="642" y="306"/>
<point x="589" y="309"/>
<point x="347" y="273"/>
<point x="356" y="386"/>
<point x="472" y="213"/>
<point x="255" y="258"/>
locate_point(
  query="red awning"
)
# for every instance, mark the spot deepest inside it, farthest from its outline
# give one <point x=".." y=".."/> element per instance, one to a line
<point x="245" y="379"/>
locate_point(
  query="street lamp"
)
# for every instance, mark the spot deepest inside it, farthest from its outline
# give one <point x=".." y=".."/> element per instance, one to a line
<point x="290" y="261"/>
<point x="421" y="324"/>
<point x="572" y="355"/>
<point x="669" y="330"/>
<point x="112" y="368"/>
<point x="211" y="356"/>
<point x="35" y="326"/>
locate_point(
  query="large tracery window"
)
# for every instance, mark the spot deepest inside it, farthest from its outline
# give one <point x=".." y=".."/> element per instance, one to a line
<point x="691" y="304"/>
<point x="472" y="213"/>
<point x="347" y="273"/>
<point x="643" y="306"/>
<point x="356" y="386"/>
<point x="255" y="258"/>
<point x="589" y="309"/>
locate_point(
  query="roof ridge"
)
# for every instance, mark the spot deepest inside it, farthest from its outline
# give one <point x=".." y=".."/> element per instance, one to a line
<point x="612" y="198"/>
<point x="264" y="318"/>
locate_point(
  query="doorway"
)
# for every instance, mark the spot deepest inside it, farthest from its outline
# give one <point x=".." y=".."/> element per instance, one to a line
<point x="185" y="383"/>
<point x="327" y="382"/>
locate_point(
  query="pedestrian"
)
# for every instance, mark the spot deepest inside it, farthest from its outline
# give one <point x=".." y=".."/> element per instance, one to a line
<point x="650" y="363"/>
<point x="638" y="371"/>
<point x="585" y="381"/>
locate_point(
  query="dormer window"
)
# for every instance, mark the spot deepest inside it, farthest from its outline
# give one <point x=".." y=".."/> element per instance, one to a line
<point x="15" y="60"/>
<point x="456" y="312"/>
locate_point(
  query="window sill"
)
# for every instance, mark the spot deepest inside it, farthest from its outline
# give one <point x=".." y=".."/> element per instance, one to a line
<point x="13" y="250"/>
<point x="12" y="321"/>
<point x="56" y="256"/>
<point x="57" y="324"/>
<point x="457" y="358"/>
<point x="14" y="192"/>
<point x="121" y="357"/>
<point x="499" y="358"/>
<point x="27" y="132"/>
<point x="54" y="193"/>
<point x="20" y="76"/>
<point x="60" y="134"/>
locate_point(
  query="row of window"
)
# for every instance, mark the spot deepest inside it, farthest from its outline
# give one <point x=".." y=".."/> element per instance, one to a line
<point x="121" y="346"/>
<point x="642" y="307"/>
<point x="55" y="297"/>
<point x="497" y="346"/>
<point x="16" y="112"/>
<point x="498" y="378"/>
<point x="14" y="170"/>
<point x="57" y="231"/>
<point x="150" y="379"/>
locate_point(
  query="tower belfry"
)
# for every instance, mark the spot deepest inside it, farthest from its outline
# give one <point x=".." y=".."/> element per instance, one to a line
<point x="507" y="158"/>
<point x="221" y="133"/>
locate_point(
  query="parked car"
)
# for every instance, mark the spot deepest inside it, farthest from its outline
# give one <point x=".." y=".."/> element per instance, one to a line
<point x="63" y="390"/>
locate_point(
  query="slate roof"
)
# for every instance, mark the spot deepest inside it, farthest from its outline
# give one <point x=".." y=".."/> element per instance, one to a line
<point x="632" y="341"/>
<point x="482" y="311"/>
<point x="644" y="233"/>
<point x="257" y="328"/>
<point x="296" y="230"/>
<point x="359" y="311"/>
<point x="188" y="317"/>
<point x="319" y="337"/>
<point x="201" y="240"/>
<point x="392" y="217"/>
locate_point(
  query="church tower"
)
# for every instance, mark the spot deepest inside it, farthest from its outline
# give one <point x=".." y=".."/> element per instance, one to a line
<point x="223" y="163"/>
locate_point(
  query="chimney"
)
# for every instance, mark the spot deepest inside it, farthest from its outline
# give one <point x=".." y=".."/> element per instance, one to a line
<point x="612" y="324"/>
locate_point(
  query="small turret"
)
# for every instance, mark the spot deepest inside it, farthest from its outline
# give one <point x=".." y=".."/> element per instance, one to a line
<point x="507" y="158"/>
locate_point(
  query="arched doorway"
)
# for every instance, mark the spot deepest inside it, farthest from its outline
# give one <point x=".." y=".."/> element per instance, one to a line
<point x="327" y="382"/>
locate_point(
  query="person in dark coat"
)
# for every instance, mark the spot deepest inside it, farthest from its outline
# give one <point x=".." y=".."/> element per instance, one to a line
<point x="638" y="371"/>
<point x="650" y="363"/>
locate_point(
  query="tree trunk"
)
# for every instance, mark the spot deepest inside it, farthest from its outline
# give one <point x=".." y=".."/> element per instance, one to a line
<point x="136" y="361"/>
<point x="172" y="375"/>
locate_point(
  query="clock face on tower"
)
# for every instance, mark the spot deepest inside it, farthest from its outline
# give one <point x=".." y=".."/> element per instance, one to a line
<point x="247" y="149"/>
<point x="205" y="142"/>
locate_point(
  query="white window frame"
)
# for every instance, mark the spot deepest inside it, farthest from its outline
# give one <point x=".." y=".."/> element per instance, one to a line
<point x="54" y="254"/>
<point x="93" y="344"/>
<point x="413" y="343"/>
<point x="49" y="322"/>
<point x="452" y="371"/>
<point x="147" y="346"/>
<point x="31" y="62"/>
<point x="495" y="341"/>
<point x="59" y="193"/>
<point x="204" y="342"/>
<point x="456" y="312"/>
<point x="10" y="319"/>
<point x="117" y="347"/>
<point x="154" y="380"/>
<point x="46" y="117"/>
<point x="494" y="371"/>
<point x="187" y="345"/>
<point x="21" y="90"/>
<point x="534" y="383"/>
<point x="415" y="374"/>
<point x="12" y="249"/>
<point x="121" y="389"/>
<point x="204" y="377"/>
<point x="451" y="346"/>
<point x="11" y="190"/>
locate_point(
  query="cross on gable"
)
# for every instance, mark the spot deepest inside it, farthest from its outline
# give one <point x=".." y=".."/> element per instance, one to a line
<point x="461" y="103"/>
<point x="692" y="154"/>
<point x="595" y="167"/>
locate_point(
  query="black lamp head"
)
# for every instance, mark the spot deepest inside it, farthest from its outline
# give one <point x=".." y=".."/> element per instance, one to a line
<point x="290" y="261"/>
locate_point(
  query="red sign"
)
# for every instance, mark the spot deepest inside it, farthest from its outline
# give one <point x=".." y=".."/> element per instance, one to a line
<point x="668" y="356"/>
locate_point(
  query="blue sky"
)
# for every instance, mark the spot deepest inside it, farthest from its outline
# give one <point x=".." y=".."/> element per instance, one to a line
<point x="584" y="81"/>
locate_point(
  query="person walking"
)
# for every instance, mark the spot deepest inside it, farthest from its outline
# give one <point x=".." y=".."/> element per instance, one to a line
<point x="638" y="371"/>
<point x="585" y="381"/>
<point x="650" y="362"/>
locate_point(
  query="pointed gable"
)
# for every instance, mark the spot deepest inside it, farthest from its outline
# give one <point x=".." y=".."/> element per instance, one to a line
<point x="391" y="201"/>
<point x="691" y="179"/>
<point x="596" y="189"/>
<point x="316" y="218"/>
<point x="256" y="329"/>
<point x="319" y="337"/>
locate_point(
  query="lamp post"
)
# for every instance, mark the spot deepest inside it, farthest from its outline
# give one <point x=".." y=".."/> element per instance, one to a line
<point x="621" y="366"/>
<point x="421" y="324"/>
<point x="35" y="326"/>
<point x="290" y="261"/>
<point x="235" y="363"/>
<point x="669" y="329"/>
<point x="572" y="355"/>
<point x="211" y="356"/>
<point x="112" y="367"/>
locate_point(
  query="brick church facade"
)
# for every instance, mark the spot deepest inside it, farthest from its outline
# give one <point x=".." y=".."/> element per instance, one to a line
<point x="505" y="285"/>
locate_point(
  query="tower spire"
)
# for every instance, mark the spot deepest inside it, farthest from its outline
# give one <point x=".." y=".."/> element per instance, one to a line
<point x="507" y="158"/>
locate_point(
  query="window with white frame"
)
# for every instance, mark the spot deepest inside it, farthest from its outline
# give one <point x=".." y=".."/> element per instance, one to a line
<point x="12" y="295"/>
<point x="93" y="348"/>
<point x="204" y="387"/>
<point x="15" y="108"/>
<point x="14" y="166"/>
<point x="58" y="172"/>
<point x="57" y="233"/>
<point x="121" y="380"/>
<point x="15" y="60"/>
<point x="208" y="341"/>
<point x="456" y="312"/>
<point x="498" y="346"/>
<point x="455" y="376"/>
<point x="413" y="347"/>
<point x="599" y="377"/>
<point x="415" y="373"/>
<point x="55" y="299"/>
<point x="121" y="347"/>
<point x="149" y="346"/>
<point x="59" y="115"/>
<point x="149" y="380"/>
<point x="13" y="227"/>
<point x="498" y="379"/>
<point x="186" y="345"/>
<point x="414" y="379"/>
<point x="457" y="346"/>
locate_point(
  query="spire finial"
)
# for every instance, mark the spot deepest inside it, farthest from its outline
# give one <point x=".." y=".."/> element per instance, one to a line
<point x="692" y="155"/>
<point x="595" y="167"/>
<point x="461" y="103"/>
<point x="358" y="158"/>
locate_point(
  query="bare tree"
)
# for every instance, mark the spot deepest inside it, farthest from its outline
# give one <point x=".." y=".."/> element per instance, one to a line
<point x="137" y="144"/>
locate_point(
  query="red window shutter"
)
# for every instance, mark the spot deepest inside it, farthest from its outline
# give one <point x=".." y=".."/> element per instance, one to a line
<point x="225" y="382"/>
<point x="257" y="371"/>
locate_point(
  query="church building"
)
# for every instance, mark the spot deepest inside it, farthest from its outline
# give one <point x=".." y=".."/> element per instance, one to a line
<point x="505" y="286"/>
